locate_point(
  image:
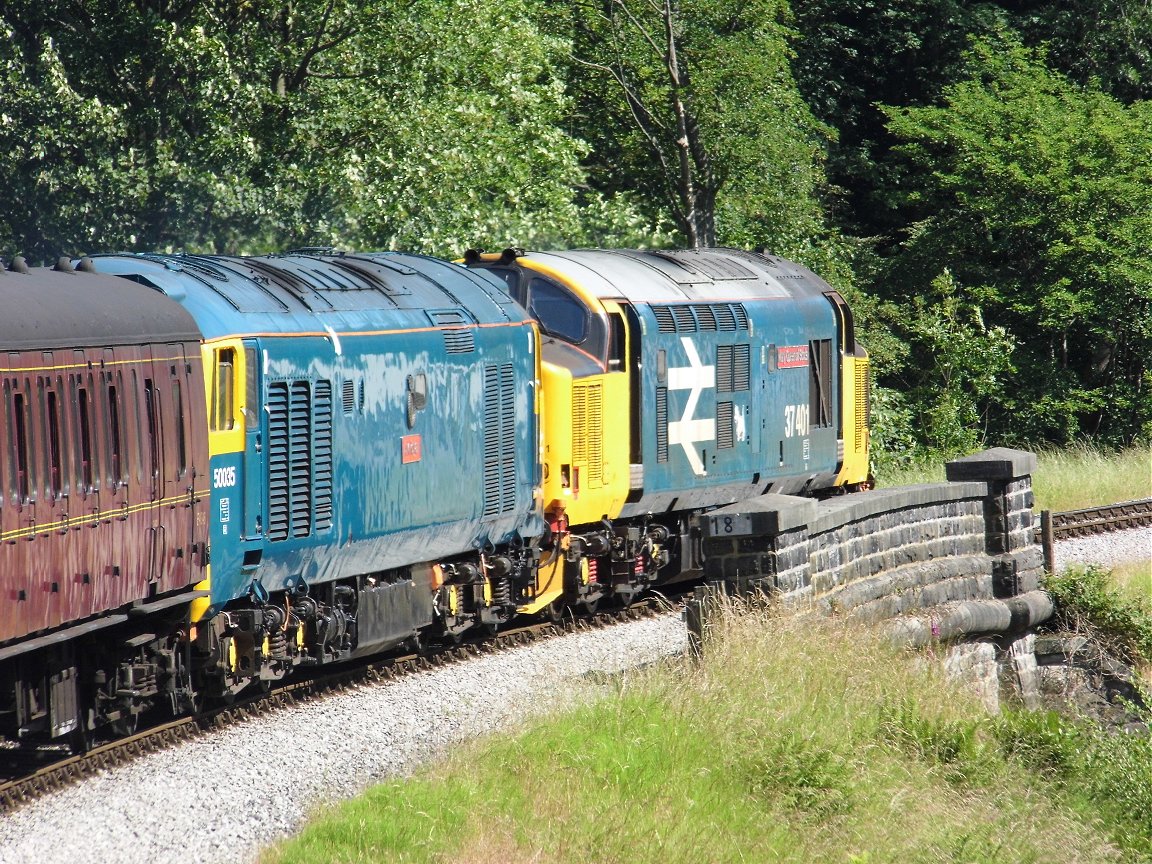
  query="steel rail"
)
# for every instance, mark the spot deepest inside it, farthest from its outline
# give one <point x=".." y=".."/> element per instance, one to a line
<point x="1101" y="520"/>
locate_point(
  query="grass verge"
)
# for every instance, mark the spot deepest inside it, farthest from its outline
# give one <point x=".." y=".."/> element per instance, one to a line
<point x="1134" y="578"/>
<point x="1083" y="476"/>
<point x="1069" y="479"/>
<point x="797" y="739"/>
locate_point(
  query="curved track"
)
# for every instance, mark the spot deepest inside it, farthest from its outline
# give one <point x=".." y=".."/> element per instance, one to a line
<point x="27" y="775"/>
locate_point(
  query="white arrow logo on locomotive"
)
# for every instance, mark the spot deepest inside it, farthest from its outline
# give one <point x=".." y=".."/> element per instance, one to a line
<point x="688" y="431"/>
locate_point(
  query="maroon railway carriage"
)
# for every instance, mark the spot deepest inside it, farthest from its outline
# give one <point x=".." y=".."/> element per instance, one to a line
<point x="103" y="523"/>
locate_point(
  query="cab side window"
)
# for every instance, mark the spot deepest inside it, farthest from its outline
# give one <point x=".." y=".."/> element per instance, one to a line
<point x="559" y="312"/>
<point x="223" y="416"/>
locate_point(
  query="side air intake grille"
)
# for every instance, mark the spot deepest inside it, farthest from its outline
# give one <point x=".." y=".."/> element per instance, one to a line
<point x="459" y="342"/>
<point x="587" y="433"/>
<point x="499" y="439"/>
<point x="322" y="455"/>
<point x="725" y="435"/>
<point x="278" y="522"/>
<point x="661" y="424"/>
<point x="863" y="402"/>
<point x="701" y="317"/>
<point x="733" y="368"/>
<point x="299" y="458"/>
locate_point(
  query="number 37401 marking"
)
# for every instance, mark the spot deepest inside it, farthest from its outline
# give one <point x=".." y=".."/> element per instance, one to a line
<point x="795" y="420"/>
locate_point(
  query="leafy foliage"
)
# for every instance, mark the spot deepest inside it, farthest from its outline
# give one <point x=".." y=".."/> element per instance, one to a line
<point x="120" y="136"/>
<point x="1109" y="775"/>
<point x="1088" y="599"/>
<point x="752" y="172"/>
<point x="1035" y="194"/>
<point x="239" y="125"/>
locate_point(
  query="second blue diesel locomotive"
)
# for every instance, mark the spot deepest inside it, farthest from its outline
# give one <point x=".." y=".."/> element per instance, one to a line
<point x="677" y="381"/>
<point x="402" y="448"/>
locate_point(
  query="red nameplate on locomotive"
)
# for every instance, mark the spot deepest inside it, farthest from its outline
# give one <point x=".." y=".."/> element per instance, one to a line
<point x="410" y="449"/>
<point x="791" y="356"/>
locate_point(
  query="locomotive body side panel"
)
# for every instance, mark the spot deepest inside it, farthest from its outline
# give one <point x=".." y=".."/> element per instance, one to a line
<point x="738" y="385"/>
<point x="359" y="479"/>
<point x="395" y="413"/>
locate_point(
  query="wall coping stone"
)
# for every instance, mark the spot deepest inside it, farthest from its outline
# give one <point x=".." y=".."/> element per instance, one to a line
<point x="834" y="513"/>
<point x="770" y="514"/>
<point x="998" y="463"/>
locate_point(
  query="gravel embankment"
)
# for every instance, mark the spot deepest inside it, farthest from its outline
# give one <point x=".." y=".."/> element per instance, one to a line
<point x="224" y="798"/>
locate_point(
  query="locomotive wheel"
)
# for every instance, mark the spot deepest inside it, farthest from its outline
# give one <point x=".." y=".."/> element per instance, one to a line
<point x="555" y="610"/>
<point x="78" y="741"/>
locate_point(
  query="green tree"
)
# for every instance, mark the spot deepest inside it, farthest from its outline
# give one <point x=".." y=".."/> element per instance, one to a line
<point x="691" y="106"/>
<point x="244" y="125"/>
<point x="851" y="56"/>
<point x="1036" y="194"/>
<point x="123" y="128"/>
<point x="438" y="126"/>
<point x="1108" y="42"/>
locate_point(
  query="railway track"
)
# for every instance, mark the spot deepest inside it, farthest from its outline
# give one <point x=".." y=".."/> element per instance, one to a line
<point x="28" y="775"/>
<point x="1099" y="520"/>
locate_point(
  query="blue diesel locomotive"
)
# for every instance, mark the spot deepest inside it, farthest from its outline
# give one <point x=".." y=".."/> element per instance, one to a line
<point x="400" y="448"/>
<point x="676" y="381"/>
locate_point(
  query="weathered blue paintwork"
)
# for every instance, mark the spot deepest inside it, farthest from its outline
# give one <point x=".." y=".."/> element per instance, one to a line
<point x="774" y="442"/>
<point x="367" y="326"/>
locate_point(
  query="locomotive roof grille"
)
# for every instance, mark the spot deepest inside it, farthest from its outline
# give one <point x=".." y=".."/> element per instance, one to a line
<point x="701" y="317"/>
<point x="291" y="282"/>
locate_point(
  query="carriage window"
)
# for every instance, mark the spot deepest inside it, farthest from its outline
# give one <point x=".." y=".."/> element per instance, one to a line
<point x="85" y="442"/>
<point x="55" y="483"/>
<point x="135" y="416"/>
<point x="153" y="431"/>
<point x="223" y="417"/>
<point x="181" y="446"/>
<point x="559" y="312"/>
<point x="20" y="419"/>
<point x="117" y="461"/>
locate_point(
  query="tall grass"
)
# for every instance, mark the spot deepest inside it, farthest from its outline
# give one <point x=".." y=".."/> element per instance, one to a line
<point x="1083" y="476"/>
<point x="1134" y="578"/>
<point x="795" y="740"/>
<point x="1069" y="479"/>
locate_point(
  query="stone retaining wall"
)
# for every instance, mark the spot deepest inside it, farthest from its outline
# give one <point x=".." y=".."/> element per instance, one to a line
<point x="943" y="562"/>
